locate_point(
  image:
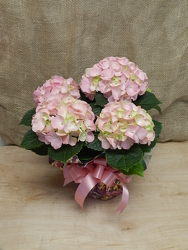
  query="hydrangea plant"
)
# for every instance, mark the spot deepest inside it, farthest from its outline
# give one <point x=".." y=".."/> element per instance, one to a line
<point x="105" y="115"/>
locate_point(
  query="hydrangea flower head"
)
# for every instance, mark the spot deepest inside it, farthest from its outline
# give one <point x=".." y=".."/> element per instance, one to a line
<point x="56" y="86"/>
<point x="116" y="77"/>
<point x="121" y="124"/>
<point x="64" y="120"/>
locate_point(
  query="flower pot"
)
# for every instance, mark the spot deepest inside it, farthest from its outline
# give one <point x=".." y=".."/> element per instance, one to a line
<point x="104" y="192"/>
<point x="100" y="190"/>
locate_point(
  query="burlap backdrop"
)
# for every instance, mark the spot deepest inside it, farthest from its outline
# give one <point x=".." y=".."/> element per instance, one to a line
<point x="41" y="38"/>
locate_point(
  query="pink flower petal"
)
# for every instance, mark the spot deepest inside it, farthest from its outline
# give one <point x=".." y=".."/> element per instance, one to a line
<point x="140" y="74"/>
<point x="151" y="136"/>
<point x="89" y="136"/>
<point x="105" y="64"/>
<point x="116" y="93"/>
<point x="70" y="81"/>
<point x="132" y="88"/>
<point x="90" y="125"/>
<point x="105" y="144"/>
<point x="131" y="131"/>
<point x="47" y="128"/>
<point x="65" y="139"/>
<point x="42" y="137"/>
<point x="141" y="133"/>
<point x="127" y="115"/>
<point x="131" y="65"/>
<point x="36" y="95"/>
<point x="100" y="122"/>
<point x="107" y="74"/>
<point x="95" y="71"/>
<point x="141" y="121"/>
<point x="75" y="93"/>
<point x="81" y="107"/>
<point x="48" y="83"/>
<point x="104" y="86"/>
<point x="123" y="61"/>
<point x="64" y="89"/>
<point x="38" y="122"/>
<point x="127" y="143"/>
<point x="72" y="141"/>
<point x="134" y="97"/>
<point x="85" y="85"/>
<point x="145" y="141"/>
<point x="63" y="111"/>
<point x="143" y="88"/>
<point x="58" y="122"/>
<point x="70" y="127"/>
<point x="57" y="79"/>
<point x="55" y="140"/>
<point x="115" y="66"/>
<point x="113" y="142"/>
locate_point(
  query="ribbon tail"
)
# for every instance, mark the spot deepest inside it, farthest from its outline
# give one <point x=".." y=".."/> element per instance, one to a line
<point x="67" y="177"/>
<point x="67" y="181"/>
<point x="84" y="188"/>
<point x="124" y="199"/>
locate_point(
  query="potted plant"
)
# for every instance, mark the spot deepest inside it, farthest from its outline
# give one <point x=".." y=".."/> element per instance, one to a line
<point x="98" y="131"/>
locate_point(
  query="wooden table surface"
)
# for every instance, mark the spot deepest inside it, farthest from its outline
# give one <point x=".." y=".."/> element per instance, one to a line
<point x="37" y="212"/>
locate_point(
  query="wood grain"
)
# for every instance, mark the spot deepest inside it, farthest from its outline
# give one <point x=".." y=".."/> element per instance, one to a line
<point x="37" y="212"/>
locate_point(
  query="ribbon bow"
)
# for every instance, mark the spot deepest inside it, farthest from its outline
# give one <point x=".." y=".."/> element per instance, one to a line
<point x="88" y="176"/>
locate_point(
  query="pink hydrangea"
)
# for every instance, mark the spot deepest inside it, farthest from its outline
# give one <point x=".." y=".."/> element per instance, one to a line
<point x="116" y="77"/>
<point x="121" y="124"/>
<point x="57" y="86"/>
<point x="64" y="120"/>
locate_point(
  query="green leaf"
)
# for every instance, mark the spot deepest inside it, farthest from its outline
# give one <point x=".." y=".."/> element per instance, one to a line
<point x="157" y="128"/>
<point x="158" y="109"/>
<point x="42" y="150"/>
<point x="137" y="169"/>
<point x="95" y="144"/>
<point x="148" y="101"/>
<point x="96" y="109"/>
<point x="65" y="153"/>
<point x="144" y="165"/>
<point x="87" y="154"/>
<point x="27" y="118"/>
<point x="31" y="141"/>
<point x="123" y="160"/>
<point x="100" y="99"/>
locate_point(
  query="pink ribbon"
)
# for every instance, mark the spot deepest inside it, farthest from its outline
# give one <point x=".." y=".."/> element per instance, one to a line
<point x="88" y="176"/>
